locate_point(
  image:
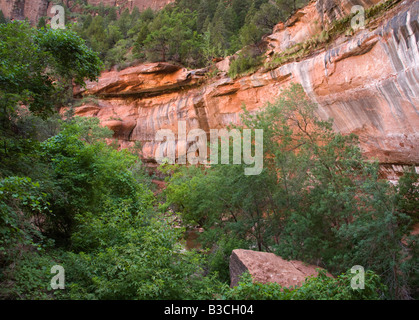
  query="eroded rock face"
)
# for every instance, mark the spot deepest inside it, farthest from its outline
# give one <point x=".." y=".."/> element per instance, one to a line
<point x="267" y="267"/>
<point x="152" y="79"/>
<point x="35" y="9"/>
<point x="21" y="9"/>
<point x="368" y="83"/>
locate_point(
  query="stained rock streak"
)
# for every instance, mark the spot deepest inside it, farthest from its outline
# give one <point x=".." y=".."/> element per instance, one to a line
<point x="368" y="83"/>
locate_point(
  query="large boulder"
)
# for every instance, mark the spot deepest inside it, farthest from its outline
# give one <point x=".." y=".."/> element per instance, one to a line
<point x="267" y="267"/>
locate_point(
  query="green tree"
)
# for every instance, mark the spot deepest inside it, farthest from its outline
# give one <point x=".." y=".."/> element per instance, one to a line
<point x="316" y="200"/>
<point x="124" y="22"/>
<point x="82" y="179"/>
<point x="20" y="200"/>
<point x="171" y="37"/>
<point x="96" y="36"/>
<point x="131" y="256"/>
<point x="2" y="17"/>
<point x="157" y="41"/>
<point x="41" y="23"/>
<point x="268" y="16"/>
<point x="241" y="8"/>
<point x="33" y="60"/>
<point x="250" y="34"/>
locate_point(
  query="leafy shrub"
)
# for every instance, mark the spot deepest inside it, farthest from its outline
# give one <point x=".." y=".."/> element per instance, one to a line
<point x="319" y="287"/>
<point x="316" y="200"/>
<point x="246" y="62"/>
<point x="29" y="278"/>
<point x="133" y="256"/>
<point x="219" y="255"/>
<point x="20" y="201"/>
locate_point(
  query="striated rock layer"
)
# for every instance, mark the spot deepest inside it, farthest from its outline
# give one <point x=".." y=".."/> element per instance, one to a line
<point x="368" y="83"/>
<point x="21" y="9"/>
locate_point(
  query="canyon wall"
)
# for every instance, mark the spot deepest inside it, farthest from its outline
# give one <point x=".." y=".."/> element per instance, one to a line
<point x="35" y="9"/>
<point x="367" y="82"/>
<point x="21" y="9"/>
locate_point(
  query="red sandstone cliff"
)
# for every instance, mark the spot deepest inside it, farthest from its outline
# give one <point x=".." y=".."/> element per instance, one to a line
<point x="368" y="83"/>
<point x="21" y="9"/>
<point x="35" y="9"/>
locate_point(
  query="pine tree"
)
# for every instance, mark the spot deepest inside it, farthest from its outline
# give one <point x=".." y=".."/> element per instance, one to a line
<point x="2" y="18"/>
<point x="41" y="23"/>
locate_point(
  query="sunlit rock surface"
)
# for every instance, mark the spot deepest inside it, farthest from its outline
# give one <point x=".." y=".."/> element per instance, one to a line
<point x="368" y="83"/>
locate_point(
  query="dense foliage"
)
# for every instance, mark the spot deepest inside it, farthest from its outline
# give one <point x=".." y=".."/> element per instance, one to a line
<point x="320" y="287"/>
<point x="190" y="32"/>
<point x="316" y="200"/>
<point x="37" y="67"/>
<point x="68" y="197"/>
